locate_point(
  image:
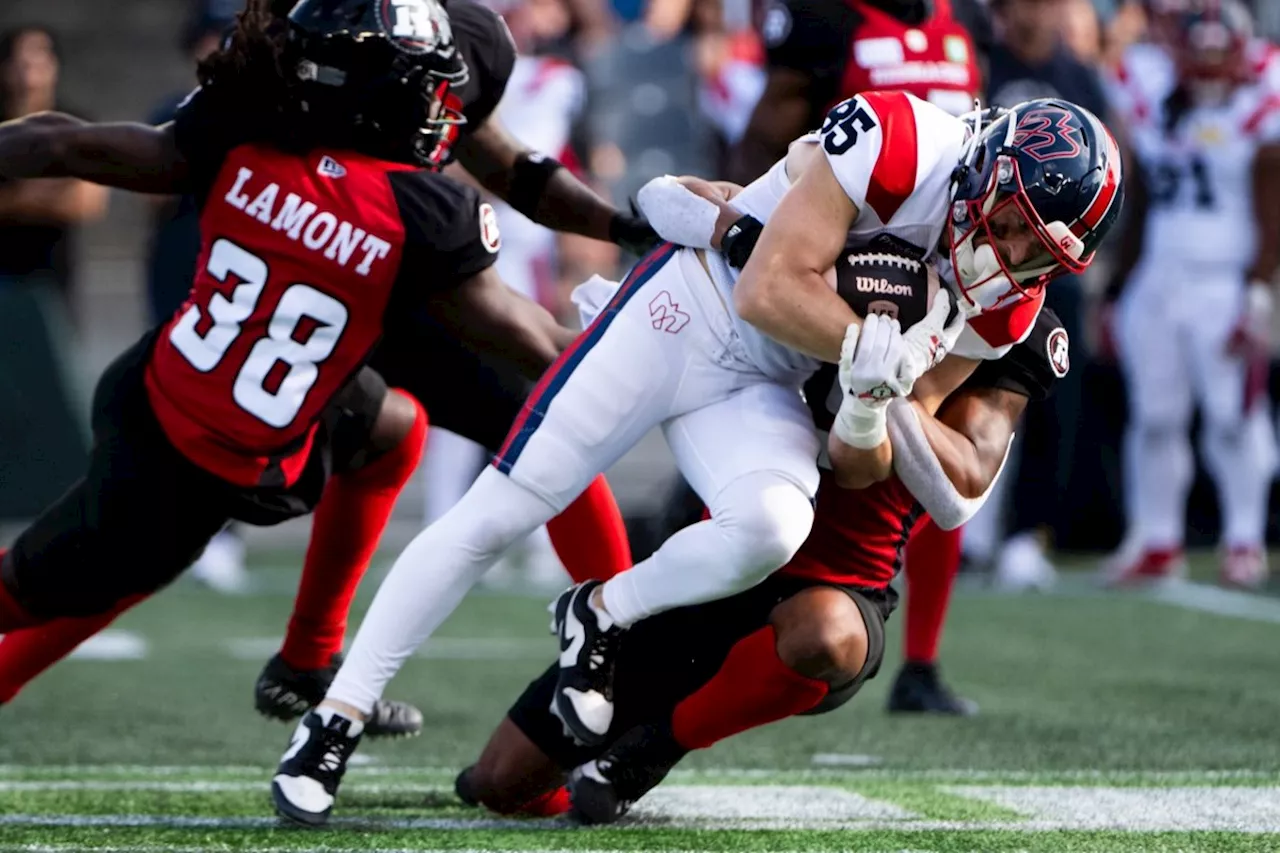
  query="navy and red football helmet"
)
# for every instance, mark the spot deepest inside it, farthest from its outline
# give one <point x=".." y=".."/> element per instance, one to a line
<point x="1058" y="167"/>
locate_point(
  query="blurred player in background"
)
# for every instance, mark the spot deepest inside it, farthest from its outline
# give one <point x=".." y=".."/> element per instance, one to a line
<point x="544" y="98"/>
<point x="1194" y="288"/>
<point x="820" y="52"/>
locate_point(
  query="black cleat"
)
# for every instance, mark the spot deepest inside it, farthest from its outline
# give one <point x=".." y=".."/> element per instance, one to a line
<point x="284" y="693"/>
<point x="603" y="790"/>
<point x="588" y="651"/>
<point x="462" y="788"/>
<point x="919" y="689"/>
<point x="306" y="782"/>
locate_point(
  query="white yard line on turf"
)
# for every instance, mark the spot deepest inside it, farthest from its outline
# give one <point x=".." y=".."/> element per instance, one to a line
<point x="144" y="772"/>
<point x="1174" y="592"/>
<point x="455" y="824"/>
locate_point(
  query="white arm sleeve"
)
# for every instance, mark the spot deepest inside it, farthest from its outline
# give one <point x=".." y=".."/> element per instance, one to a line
<point x="918" y="468"/>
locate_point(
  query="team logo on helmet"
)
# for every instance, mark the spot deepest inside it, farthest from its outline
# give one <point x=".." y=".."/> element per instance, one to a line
<point x="1048" y="133"/>
<point x="417" y="26"/>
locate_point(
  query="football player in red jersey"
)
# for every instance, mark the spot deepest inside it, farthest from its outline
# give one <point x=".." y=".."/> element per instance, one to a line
<point x="801" y="643"/>
<point x="823" y="51"/>
<point x="322" y="233"/>
<point x="820" y="52"/>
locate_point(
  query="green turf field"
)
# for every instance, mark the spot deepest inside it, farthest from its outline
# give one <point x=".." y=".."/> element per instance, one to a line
<point x="1108" y="723"/>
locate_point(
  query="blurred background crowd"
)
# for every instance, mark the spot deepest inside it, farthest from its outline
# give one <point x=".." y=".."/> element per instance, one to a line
<point x="623" y="90"/>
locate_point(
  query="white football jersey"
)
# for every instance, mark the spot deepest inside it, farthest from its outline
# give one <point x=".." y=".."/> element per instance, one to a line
<point x="893" y="154"/>
<point x="1199" y="175"/>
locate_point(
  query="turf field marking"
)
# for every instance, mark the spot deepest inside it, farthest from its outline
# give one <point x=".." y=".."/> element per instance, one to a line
<point x="841" y="759"/>
<point x="112" y="644"/>
<point x="1151" y="809"/>
<point x="436" y="648"/>
<point x="1213" y="599"/>
<point x="214" y="772"/>
<point x="750" y="805"/>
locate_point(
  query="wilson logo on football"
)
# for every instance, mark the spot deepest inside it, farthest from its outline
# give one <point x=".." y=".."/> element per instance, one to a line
<point x="870" y="284"/>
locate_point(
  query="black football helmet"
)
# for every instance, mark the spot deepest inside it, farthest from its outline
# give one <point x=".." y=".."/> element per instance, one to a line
<point x="384" y="65"/>
<point x="1058" y="167"/>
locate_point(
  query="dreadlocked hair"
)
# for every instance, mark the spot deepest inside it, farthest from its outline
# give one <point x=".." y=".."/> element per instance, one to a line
<point x="251" y="77"/>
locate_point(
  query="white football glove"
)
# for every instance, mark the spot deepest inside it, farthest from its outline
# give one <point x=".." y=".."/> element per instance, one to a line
<point x="869" y="361"/>
<point x="927" y="343"/>
<point x="677" y="214"/>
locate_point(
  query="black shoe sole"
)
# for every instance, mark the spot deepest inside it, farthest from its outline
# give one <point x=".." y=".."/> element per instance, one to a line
<point x="591" y="803"/>
<point x="285" y="809"/>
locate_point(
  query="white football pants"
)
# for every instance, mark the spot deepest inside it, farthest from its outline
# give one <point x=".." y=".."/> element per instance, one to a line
<point x="661" y="353"/>
<point x="1172" y="338"/>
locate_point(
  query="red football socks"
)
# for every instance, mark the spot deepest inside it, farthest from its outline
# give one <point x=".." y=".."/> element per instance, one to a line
<point x="549" y="804"/>
<point x="589" y="536"/>
<point x="933" y="560"/>
<point x="752" y="688"/>
<point x="349" y="520"/>
<point x="27" y="652"/>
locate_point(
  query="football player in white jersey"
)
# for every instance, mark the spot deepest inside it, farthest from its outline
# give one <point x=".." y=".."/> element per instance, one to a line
<point x="1192" y="324"/>
<point x="716" y="360"/>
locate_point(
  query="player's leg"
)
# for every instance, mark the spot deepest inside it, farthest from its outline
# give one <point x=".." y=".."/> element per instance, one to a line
<point x="932" y="563"/>
<point x="588" y="409"/>
<point x="375" y="439"/>
<point x="524" y="766"/>
<point x="752" y="458"/>
<point x="813" y="652"/>
<point x="589" y="536"/>
<point x="1160" y="466"/>
<point x="1236" y="438"/>
<point x="449" y="467"/>
<point x="141" y="515"/>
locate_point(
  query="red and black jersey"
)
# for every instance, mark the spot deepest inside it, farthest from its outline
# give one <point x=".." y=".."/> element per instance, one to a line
<point x="490" y="54"/>
<point x="858" y="535"/>
<point x="929" y="48"/>
<point x="305" y="258"/>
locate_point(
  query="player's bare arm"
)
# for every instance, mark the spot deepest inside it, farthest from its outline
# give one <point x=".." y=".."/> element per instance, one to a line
<point x="125" y="155"/>
<point x="783" y="290"/>
<point x="544" y="190"/>
<point x="781" y="115"/>
<point x="858" y="468"/>
<point x="484" y="312"/>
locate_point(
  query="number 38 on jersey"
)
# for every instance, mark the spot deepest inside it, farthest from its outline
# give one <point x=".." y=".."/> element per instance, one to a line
<point x="281" y="367"/>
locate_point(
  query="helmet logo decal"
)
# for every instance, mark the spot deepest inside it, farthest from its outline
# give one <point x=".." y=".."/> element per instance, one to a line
<point x="1048" y="133"/>
<point x="1059" y="352"/>
<point x="417" y="26"/>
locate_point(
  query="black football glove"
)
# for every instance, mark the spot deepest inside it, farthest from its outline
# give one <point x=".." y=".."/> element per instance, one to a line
<point x="632" y="232"/>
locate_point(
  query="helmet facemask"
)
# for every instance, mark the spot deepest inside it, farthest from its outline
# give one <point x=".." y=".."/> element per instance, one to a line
<point x="991" y="201"/>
